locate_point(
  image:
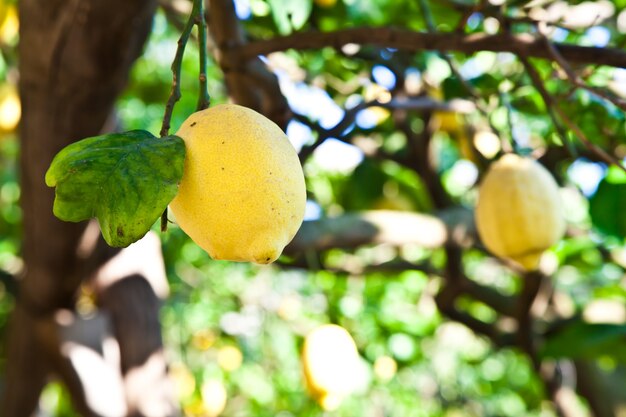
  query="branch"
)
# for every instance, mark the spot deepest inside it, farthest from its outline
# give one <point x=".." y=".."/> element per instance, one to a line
<point x="416" y="41"/>
<point x="176" y="67"/>
<point x="445" y="301"/>
<point x="415" y="103"/>
<point x="532" y="283"/>
<point x="547" y="100"/>
<point x="195" y="18"/>
<point x="553" y="105"/>
<point x="352" y="230"/>
<point x="249" y="82"/>
<point x="577" y="81"/>
<point x="204" y="100"/>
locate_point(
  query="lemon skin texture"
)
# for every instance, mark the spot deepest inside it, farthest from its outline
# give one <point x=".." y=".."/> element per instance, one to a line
<point x="330" y="358"/>
<point x="242" y="195"/>
<point x="519" y="213"/>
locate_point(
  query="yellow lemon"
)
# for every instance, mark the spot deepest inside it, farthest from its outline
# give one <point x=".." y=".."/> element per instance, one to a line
<point x="242" y="195"/>
<point x="214" y="397"/>
<point x="184" y="381"/>
<point x="10" y="23"/>
<point x="229" y="358"/>
<point x="385" y="367"/>
<point x="10" y="108"/>
<point x="330" y="361"/>
<point x="519" y="212"/>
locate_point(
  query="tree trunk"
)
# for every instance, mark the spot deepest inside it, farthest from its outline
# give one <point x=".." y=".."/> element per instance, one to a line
<point x="75" y="57"/>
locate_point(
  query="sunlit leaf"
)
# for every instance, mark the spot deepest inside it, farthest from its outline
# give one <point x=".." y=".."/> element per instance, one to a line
<point x="125" y="180"/>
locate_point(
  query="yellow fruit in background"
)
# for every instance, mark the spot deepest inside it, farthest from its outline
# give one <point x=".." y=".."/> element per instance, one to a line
<point x="242" y="195"/>
<point x="10" y="108"/>
<point x="330" y="362"/>
<point x="229" y="358"/>
<point x="9" y="23"/>
<point x="214" y="397"/>
<point x="184" y="381"/>
<point x="385" y="367"/>
<point x="448" y="122"/>
<point x="519" y="213"/>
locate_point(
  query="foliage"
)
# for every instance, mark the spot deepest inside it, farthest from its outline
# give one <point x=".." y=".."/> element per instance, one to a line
<point x="443" y="367"/>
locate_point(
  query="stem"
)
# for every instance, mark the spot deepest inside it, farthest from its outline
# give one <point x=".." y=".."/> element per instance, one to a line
<point x="471" y="90"/>
<point x="204" y="100"/>
<point x="195" y="18"/>
<point x="176" y="68"/>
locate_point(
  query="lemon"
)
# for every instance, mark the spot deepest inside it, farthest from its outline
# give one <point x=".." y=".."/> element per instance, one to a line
<point x="242" y="195"/>
<point x="10" y="108"/>
<point x="330" y="361"/>
<point x="214" y="397"/>
<point x="519" y="212"/>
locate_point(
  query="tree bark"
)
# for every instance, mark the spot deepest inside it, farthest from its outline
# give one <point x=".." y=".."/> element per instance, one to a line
<point x="75" y="58"/>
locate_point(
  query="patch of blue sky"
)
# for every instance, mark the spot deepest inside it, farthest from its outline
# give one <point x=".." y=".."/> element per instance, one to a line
<point x="586" y="175"/>
<point x="559" y="34"/>
<point x="384" y="76"/>
<point x="312" y="102"/>
<point x="598" y="36"/>
<point x="337" y="156"/>
<point x="299" y="134"/>
<point x="367" y="119"/>
<point x="474" y="20"/>
<point x="312" y="210"/>
<point x="521" y="134"/>
<point x="242" y="8"/>
<point x="481" y="63"/>
<point x="619" y="75"/>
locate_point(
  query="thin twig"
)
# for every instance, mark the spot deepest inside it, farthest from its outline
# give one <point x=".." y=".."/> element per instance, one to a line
<point x="577" y="81"/>
<point x="548" y="101"/>
<point x="552" y="104"/>
<point x="472" y="91"/>
<point x="204" y="100"/>
<point x="416" y="103"/>
<point x="196" y="18"/>
<point x="176" y="69"/>
<point x="601" y="153"/>
<point x="532" y="283"/>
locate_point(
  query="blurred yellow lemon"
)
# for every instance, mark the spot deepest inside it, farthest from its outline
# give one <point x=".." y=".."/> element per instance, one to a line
<point x="214" y="397"/>
<point x="10" y="108"/>
<point x="330" y="361"/>
<point x="229" y="358"/>
<point x="183" y="379"/>
<point x="519" y="212"/>
<point x="242" y="195"/>
<point x="385" y="367"/>
<point x="9" y="23"/>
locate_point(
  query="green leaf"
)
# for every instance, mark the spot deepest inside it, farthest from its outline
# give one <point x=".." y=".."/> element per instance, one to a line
<point x="125" y="180"/>
<point x="580" y="340"/>
<point x="607" y="207"/>
<point x="290" y="15"/>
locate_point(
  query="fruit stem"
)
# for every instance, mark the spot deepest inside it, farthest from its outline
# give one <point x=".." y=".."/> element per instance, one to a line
<point x="195" y="18"/>
<point x="204" y="100"/>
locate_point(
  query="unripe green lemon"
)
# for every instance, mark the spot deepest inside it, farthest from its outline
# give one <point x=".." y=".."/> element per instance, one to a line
<point x="519" y="212"/>
<point x="242" y="195"/>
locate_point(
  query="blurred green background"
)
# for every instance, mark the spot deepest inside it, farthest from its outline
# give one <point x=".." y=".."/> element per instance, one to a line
<point x="241" y="327"/>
